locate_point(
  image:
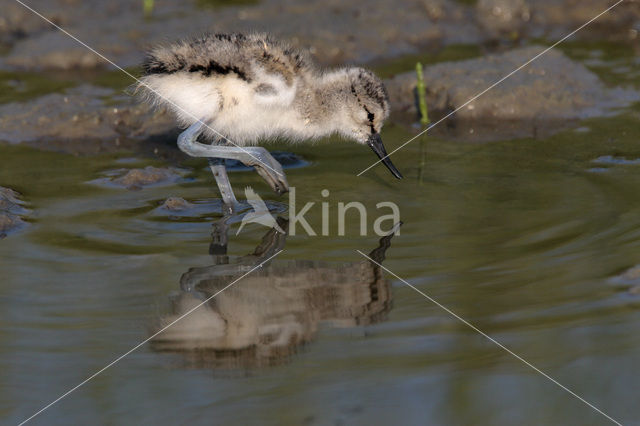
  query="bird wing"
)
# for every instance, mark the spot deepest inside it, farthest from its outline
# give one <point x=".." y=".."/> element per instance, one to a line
<point x="269" y="67"/>
<point x="272" y="91"/>
<point x="277" y="68"/>
<point x="209" y="55"/>
<point x="255" y="201"/>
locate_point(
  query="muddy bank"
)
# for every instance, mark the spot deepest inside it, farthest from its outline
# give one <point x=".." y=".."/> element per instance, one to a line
<point x="94" y="119"/>
<point x="11" y="211"/>
<point x="85" y="119"/>
<point x="547" y="95"/>
<point x="335" y="31"/>
<point x="543" y="97"/>
<point x="553" y="19"/>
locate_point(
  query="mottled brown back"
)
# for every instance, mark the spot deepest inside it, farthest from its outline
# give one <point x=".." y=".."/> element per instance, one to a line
<point x="221" y="54"/>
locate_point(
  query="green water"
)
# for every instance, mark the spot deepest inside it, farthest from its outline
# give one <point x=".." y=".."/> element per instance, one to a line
<point x="25" y="86"/>
<point x="521" y="238"/>
<point x="223" y="3"/>
<point x="456" y="52"/>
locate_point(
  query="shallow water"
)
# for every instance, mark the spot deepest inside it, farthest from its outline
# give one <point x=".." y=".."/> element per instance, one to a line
<point x="521" y="238"/>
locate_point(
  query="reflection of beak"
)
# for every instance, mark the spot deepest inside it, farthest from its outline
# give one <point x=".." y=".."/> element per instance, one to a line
<point x="375" y="142"/>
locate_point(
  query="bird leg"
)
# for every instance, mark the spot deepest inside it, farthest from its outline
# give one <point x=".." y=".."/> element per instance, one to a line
<point x="220" y="240"/>
<point x="219" y="171"/>
<point x="257" y="157"/>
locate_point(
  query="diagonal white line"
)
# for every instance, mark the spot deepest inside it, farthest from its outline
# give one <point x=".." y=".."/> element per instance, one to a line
<point x="492" y="86"/>
<point x="146" y="85"/>
<point x="145" y="341"/>
<point x="473" y="327"/>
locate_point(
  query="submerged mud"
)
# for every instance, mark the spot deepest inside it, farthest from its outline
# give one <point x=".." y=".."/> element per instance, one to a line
<point x="173" y="204"/>
<point x="138" y="178"/>
<point x="11" y="211"/>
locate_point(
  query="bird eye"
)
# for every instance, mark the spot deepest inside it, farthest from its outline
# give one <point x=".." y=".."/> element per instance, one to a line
<point x="370" y="116"/>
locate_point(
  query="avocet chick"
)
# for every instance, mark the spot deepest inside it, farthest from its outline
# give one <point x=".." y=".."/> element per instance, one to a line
<point x="237" y="90"/>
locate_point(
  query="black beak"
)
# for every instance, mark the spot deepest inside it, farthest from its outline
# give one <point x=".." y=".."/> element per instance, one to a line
<point x="375" y="142"/>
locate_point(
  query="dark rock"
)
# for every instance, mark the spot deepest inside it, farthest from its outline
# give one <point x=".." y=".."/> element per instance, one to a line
<point x="630" y="276"/>
<point x="11" y="207"/>
<point x="16" y="23"/>
<point x="176" y="208"/>
<point x="136" y="179"/>
<point x="540" y="98"/>
<point x="82" y="114"/>
<point x="555" y="19"/>
<point x="611" y="160"/>
<point x="629" y="280"/>
<point x="8" y="195"/>
<point x="500" y="18"/>
<point x="176" y="204"/>
<point x="9" y="223"/>
<point x="336" y="31"/>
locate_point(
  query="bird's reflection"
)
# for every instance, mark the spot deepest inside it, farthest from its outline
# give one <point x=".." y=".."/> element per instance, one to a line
<point x="263" y="318"/>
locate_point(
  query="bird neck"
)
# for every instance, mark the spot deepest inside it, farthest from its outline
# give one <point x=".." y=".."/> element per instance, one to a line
<point x="324" y="102"/>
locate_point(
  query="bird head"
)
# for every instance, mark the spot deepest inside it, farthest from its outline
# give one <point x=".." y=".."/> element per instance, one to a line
<point x="367" y="109"/>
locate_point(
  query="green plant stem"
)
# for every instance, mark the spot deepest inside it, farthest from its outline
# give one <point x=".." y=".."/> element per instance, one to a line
<point x="424" y="118"/>
<point x="422" y="100"/>
<point x="147" y="6"/>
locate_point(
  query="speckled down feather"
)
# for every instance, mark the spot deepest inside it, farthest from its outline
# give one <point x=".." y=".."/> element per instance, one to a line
<point x="252" y="87"/>
<point x="228" y="53"/>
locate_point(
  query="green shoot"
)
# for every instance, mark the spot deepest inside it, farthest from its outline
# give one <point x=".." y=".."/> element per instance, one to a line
<point x="424" y="117"/>
<point x="422" y="100"/>
<point x="147" y="6"/>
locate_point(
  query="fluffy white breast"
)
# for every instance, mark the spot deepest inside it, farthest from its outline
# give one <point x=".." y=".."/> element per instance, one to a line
<point x="189" y="96"/>
<point x="233" y="107"/>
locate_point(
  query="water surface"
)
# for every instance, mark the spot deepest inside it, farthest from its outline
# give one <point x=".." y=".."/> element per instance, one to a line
<point x="522" y="238"/>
